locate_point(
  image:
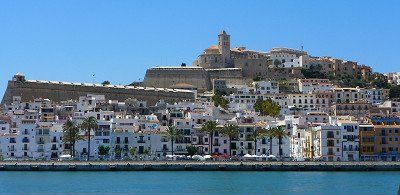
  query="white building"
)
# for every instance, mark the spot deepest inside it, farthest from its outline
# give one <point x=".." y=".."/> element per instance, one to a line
<point x="287" y="58"/>
<point x="314" y="85"/>
<point x="350" y="140"/>
<point x="393" y="78"/>
<point x="328" y="146"/>
<point x="266" y="87"/>
<point x="375" y="96"/>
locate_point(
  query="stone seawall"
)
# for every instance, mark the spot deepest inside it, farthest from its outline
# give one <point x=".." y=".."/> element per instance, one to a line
<point x="57" y="91"/>
<point x="197" y="166"/>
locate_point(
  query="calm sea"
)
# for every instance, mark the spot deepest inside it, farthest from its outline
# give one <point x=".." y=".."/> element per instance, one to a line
<point x="199" y="182"/>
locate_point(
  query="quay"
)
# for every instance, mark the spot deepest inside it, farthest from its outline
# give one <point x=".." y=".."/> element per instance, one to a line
<point x="197" y="166"/>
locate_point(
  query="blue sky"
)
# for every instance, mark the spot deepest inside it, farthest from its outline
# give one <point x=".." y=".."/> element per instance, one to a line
<point x="118" y="40"/>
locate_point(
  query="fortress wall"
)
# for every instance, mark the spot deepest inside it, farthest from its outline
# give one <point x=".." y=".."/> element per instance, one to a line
<point x="225" y="73"/>
<point x="252" y="68"/>
<point x="60" y="92"/>
<point x="167" y="77"/>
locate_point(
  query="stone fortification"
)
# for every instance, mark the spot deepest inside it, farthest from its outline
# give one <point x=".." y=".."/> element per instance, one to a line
<point x="60" y="91"/>
<point x="188" y="77"/>
<point x="177" y="77"/>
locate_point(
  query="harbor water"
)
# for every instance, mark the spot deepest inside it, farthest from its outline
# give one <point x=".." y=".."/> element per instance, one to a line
<point x="207" y="182"/>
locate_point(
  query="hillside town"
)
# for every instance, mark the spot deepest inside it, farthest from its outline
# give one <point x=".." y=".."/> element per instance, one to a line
<point x="232" y="104"/>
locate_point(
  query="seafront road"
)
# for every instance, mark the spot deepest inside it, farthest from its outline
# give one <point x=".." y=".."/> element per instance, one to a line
<point x="195" y="166"/>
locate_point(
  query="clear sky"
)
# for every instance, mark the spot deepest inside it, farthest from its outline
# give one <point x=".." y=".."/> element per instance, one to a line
<point x="118" y="40"/>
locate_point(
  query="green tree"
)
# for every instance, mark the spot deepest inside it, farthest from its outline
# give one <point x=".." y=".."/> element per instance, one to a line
<point x="118" y="151"/>
<point x="191" y="150"/>
<point x="267" y="107"/>
<point x="220" y="101"/>
<point x="314" y="71"/>
<point x="146" y="152"/>
<point x="132" y="151"/>
<point x="210" y="127"/>
<point x="394" y="92"/>
<point x="231" y="131"/>
<point x="277" y="62"/>
<point x="280" y="133"/>
<point x="71" y="135"/>
<point x="103" y="150"/>
<point x="257" y="78"/>
<point x="173" y="134"/>
<point x="105" y="83"/>
<point x="89" y="124"/>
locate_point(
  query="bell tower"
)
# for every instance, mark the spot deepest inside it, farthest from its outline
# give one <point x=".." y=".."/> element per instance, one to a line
<point x="224" y="47"/>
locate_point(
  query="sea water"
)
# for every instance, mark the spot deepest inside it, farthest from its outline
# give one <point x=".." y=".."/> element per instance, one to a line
<point x="185" y="182"/>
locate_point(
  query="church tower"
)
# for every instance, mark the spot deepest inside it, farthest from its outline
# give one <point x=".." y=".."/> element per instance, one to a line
<point x="224" y="47"/>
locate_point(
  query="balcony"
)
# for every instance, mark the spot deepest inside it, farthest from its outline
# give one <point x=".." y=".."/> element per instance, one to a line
<point x="25" y="140"/>
<point x="25" y="132"/>
<point x="216" y="144"/>
<point x="141" y="141"/>
<point x="249" y="148"/>
<point x="40" y="142"/>
<point x="40" y="150"/>
<point x="25" y="149"/>
<point x="11" y="149"/>
<point x="54" y="148"/>
<point x="126" y="142"/>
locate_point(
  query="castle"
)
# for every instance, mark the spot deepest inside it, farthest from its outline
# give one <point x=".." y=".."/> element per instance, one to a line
<point x="240" y="65"/>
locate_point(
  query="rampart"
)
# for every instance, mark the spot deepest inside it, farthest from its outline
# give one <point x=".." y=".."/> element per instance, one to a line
<point x="168" y="77"/>
<point x="198" y="77"/>
<point x="60" y="91"/>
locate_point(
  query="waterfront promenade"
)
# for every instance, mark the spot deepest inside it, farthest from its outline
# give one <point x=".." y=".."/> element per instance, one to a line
<point x="196" y="166"/>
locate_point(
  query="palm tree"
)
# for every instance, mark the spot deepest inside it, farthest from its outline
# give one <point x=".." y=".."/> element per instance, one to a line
<point x="209" y="127"/>
<point x="231" y="131"/>
<point x="172" y="135"/>
<point x="280" y="133"/>
<point x="258" y="132"/>
<point x="270" y="134"/>
<point x="89" y="124"/>
<point x="71" y="135"/>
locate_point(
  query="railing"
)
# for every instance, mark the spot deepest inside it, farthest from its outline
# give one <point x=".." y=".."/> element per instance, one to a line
<point x="40" y="142"/>
<point x="40" y="150"/>
<point x="141" y="141"/>
<point x="54" y="148"/>
<point x="11" y="149"/>
<point x="25" y="149"/>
